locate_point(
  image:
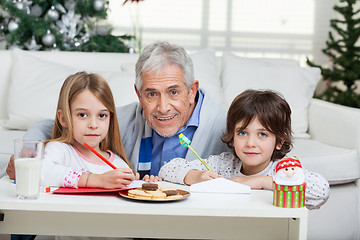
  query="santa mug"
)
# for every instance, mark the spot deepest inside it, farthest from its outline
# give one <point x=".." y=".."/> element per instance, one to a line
<point x="289" y="186"/>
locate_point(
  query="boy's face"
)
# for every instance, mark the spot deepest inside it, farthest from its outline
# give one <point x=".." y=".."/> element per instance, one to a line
<point x="254" y="145"/>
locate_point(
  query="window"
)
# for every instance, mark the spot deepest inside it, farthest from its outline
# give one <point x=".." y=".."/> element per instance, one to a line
<point x="293" y="29"/>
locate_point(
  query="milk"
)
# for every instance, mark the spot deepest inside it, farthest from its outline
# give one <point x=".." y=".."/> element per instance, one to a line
<point x="27" y="177"/>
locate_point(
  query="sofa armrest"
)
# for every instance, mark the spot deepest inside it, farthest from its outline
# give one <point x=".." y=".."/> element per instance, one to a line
<point x="334" y="124"/>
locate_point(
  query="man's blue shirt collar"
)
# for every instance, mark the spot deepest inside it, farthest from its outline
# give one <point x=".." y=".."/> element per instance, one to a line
<point x="194" y="118"/>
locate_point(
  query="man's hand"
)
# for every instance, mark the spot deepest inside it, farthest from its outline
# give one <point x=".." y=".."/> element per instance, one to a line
<point x="148" y="178"/>
<point x="10" y="170"/>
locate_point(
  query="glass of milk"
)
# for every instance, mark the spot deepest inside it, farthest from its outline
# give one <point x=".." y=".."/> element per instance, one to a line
<point x="28" y="155"/>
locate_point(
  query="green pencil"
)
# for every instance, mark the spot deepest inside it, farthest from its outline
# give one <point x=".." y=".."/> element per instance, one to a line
<point x="185" y="142"/>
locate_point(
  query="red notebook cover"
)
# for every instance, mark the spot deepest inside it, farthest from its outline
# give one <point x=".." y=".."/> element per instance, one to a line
<point x="63" y="190"/>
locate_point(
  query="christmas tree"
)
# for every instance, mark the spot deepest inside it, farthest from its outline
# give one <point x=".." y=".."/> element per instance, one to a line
<point x="65" y="25"/>
<point x="343" y="74"/>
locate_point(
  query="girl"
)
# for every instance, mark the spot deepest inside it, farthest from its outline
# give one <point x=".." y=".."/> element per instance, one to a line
<point x="259" y="133"/>
<point x="85" y="113"/>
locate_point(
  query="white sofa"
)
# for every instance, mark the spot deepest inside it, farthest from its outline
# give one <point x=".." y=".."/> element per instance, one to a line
<point x="327" y="136"/>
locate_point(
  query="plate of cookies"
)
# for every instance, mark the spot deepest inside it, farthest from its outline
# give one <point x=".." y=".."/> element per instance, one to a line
<point x="152" y="192"/>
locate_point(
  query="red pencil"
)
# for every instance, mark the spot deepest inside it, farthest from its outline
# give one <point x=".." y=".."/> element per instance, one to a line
<point x="100" y="156"/>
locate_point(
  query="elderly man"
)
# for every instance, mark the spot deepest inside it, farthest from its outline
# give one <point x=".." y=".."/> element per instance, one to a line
<point x="170" y="103"/>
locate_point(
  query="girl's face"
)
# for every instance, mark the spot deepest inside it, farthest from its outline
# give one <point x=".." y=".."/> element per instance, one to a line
<point x="254" y="145"/>
<point x="90" y="120"/>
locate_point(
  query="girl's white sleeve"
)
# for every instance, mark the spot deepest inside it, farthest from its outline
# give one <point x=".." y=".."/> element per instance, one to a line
<point x="176" y="170"/>
<point x="53" y="170"/>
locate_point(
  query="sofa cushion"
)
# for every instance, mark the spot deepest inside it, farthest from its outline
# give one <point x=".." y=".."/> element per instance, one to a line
<point x="35" y="86"/>
<point x="337" y="165"/>
<point x="31" y="74"/>
<point x="296" y="84"/>
<point x="5" y="63"/>
<point x="206" y="72"/>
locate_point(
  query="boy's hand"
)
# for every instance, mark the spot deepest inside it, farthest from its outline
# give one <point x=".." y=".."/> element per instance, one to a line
<point x="257" y="182"/>
<point x="148" y="178"/>
<point x="196" y="176"/>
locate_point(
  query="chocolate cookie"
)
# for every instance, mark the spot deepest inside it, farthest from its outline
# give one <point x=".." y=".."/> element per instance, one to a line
<point x="149" y="186"/>
<point x="170" y="192"/>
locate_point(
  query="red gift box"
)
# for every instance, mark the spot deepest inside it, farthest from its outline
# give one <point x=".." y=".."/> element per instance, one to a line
<point x="289" y="196"/>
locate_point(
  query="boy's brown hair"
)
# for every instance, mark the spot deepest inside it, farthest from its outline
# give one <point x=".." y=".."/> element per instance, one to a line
<point x="272" y="111"/>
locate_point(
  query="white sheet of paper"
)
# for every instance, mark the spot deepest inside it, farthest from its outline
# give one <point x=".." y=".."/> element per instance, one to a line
<point x="136" y="184"/>
<point x="220" y="185"/>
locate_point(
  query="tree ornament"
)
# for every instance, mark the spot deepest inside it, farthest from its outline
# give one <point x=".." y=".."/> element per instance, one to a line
<point x="60" y="7"/>
<point x="36" y="11"/>
<point x="23" y="5"/>
<point x="53" y="14"/>
<point x="13" y="26"/>
<point x="32" y="44"/>
<point x="69" y="26"/>
<point x="20" y="5"/>
<point x="48" y="39"/>
<point x="70" y="4"/>
<point x="98" y="5"/>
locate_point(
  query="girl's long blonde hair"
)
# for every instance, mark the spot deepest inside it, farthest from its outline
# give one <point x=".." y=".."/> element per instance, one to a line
<point x="75" y="84"/>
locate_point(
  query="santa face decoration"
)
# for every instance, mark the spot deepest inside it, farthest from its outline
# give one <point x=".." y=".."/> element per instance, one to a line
<point x="289" y="172"/>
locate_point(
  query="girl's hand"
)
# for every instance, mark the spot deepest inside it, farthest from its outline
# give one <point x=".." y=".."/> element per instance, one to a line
<point x="257" y="182"/>
<point x="148" y="178"/>
<point x="196" y="176"/>
<point x="117" y="178"/>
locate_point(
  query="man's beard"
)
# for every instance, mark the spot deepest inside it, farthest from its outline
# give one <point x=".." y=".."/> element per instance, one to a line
<point x="167" y="134"/>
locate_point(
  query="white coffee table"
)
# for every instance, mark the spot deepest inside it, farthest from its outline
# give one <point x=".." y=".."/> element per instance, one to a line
<point x="201" y="216"/>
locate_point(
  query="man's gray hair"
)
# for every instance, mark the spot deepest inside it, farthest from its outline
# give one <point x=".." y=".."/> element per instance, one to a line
<point x="158" y="55"/>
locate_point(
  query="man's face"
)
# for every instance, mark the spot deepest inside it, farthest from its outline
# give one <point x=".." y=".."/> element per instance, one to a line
<point x="165" y="99"/>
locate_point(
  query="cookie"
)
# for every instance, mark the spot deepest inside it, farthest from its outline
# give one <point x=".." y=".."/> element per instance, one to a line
<point x="133" y="192"/>
<point x="179" y="196"/>
<point x="142" y="197"/>
<point x="149" y="186"/>
<point x="151" y="191"/>
<point x="170" y="192"/>
<point x="157" y="195"/>
<point x="139" y="194"/>
<point x="167" y="188"/>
